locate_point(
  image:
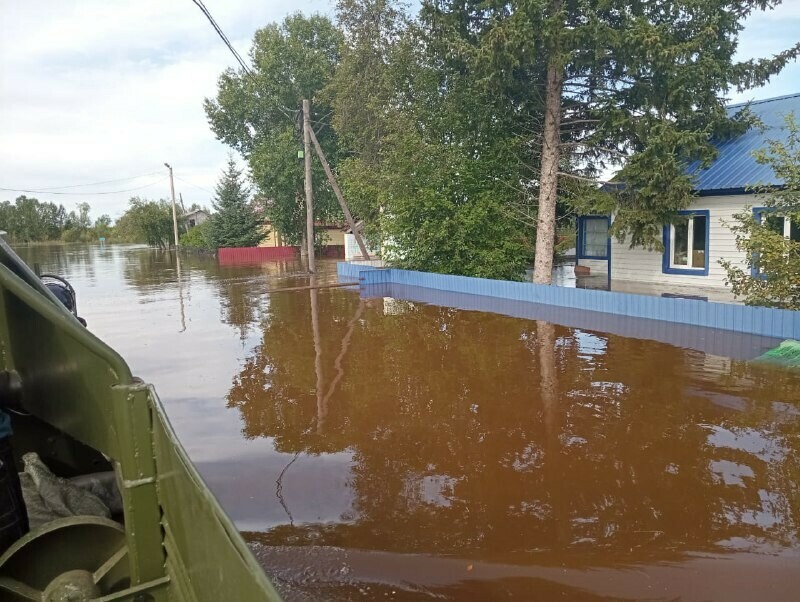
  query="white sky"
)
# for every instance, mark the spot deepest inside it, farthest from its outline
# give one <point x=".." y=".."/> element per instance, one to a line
<point x="95" y="90"/>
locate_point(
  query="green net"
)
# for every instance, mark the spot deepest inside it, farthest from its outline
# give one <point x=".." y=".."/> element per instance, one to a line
<point x="785" y="354"/>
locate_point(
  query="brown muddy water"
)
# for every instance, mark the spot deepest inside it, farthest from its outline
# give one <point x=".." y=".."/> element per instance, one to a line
<point x="384" y="449"/>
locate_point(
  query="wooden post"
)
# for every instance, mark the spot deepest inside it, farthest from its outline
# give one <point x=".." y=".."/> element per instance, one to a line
<point x="174" y="212"/>
<point x="309" y="185"/>
<point x="339" y="196"/>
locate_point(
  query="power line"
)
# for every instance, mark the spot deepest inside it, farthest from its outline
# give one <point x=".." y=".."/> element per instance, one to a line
<point x="82" y="193"/>
<point x="245" y="67"/>
<point x="194" y="185"/>
<point x="98" y="183"/>
<point x="223" y="37"/>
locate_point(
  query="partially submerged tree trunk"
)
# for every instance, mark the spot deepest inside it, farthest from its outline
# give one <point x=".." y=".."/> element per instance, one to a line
<point x="548" y="182"/>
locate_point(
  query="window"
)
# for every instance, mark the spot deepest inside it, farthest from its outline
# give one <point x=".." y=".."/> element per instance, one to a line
<point x="592" y="237"/>
<point x="686" y="244"/>
<point x="778" y="224"/>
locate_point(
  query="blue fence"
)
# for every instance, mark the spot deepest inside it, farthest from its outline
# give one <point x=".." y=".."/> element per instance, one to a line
<point x="351" y="271"/>
<point x="762" y="321"/>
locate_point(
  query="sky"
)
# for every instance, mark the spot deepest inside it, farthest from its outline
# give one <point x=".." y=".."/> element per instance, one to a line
<point x="102" y="91"/>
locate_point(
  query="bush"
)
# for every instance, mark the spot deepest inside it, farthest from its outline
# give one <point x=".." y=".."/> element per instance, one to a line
<point x="71" y="235"/>
<point x="199" y="238"/>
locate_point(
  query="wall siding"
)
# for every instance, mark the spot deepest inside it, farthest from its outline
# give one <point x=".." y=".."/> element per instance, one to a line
<point x="646" y="266"/>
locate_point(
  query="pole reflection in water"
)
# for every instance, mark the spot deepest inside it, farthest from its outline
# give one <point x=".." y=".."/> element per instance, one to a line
<point x="337" y="364"/>
<point x="180" y="291"/>
<point x="322" y="405"/>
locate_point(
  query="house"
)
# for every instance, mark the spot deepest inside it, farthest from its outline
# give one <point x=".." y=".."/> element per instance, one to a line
<point x="695" y="244"/>
<point x="334" y="235"/>
<point x="334" y="238"/>
<point x="195" y="218"/>
<point x="352" y="252"/>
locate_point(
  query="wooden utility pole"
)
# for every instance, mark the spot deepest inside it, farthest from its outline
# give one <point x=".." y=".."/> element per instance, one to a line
<point x="309" y="185"/>
<point x="174" y="211"/>
<point x="339" y="196"/>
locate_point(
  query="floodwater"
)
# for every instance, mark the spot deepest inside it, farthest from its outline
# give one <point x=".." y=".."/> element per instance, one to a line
<point x="375" y="448"/>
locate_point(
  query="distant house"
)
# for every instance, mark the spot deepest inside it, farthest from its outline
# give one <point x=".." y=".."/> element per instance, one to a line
<point x="334" y="235"/>
<point x="195" y="218"/>
<point x="334" y="238"/>
<point x="694" y="246"/>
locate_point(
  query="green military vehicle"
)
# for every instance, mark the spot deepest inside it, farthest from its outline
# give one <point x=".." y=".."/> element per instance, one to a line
<point x="74" y="402"/>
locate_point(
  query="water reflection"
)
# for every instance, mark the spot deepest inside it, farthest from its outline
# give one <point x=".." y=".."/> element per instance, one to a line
<point x="516" y="441"/>
<point x="388" y="445"/>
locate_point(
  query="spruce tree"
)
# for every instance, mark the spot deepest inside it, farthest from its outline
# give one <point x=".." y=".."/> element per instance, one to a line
<point x="235" y="223"/>
<point x="635" y="84"/>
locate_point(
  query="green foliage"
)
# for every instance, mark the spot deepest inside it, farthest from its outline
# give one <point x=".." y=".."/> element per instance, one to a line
<point x="29" y="220"/>
<point x="102" y="227"/>
<point x="71" y="235"/>
<point x="235" y="224"/>
<point x="767" y="251"/>
<point x="147" y="221"/>
<point x="200" y="237"/>
<point x="443" y="218"/>
<point x="437" y="167"/>
<point x="641" y="84"/>
<point x="258" y="116"/>
<point x="440" y="119"/>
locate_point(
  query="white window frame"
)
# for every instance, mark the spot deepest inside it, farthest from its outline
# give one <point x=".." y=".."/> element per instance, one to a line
<point x="787" y="222"/>
<point x="787" y="227"/>
<point x="689" y="244"/>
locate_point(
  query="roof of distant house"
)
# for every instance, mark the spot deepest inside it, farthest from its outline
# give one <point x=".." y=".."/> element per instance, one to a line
<point x="196" y="211"/>
<point x="735" y="168"/>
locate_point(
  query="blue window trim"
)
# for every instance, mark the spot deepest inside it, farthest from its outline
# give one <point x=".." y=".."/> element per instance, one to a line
<point x="579" y="240"/>
<point x="665" y="268"/>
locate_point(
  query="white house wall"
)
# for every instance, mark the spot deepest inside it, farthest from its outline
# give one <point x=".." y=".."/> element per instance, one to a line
<point x="646" y="266"/>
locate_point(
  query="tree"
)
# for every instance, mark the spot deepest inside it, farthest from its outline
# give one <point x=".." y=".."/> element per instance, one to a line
<point x="235" y="223"/>
<point x="84" y="221"/>
<point x="147" y="221"/>
<point x="436" y="165"/>
<point x="102" y="226"/>
<point x="28" y="220"/>
<point x="772" y="259"/>
<point x="256" y="114"/>
<point x="642" y="84"/>
<point x="7" y="218"/>
<point x="28" y="225"/>
<point x="51" y="216"/>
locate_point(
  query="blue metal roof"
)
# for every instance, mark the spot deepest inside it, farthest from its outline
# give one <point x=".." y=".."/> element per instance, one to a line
<point x="735" y="168"/>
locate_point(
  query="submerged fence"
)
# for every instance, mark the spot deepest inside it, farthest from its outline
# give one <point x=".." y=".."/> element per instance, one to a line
<point x="762" y="321"/>
<point x="250" y="255"/>
<point x="245" y="255"/>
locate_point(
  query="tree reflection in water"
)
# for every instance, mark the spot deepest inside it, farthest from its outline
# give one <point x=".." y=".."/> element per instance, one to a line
<point x="502" y="439"/>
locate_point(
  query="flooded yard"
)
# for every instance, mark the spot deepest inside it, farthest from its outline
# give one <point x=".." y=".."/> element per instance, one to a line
<point x="378" y="448"/>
